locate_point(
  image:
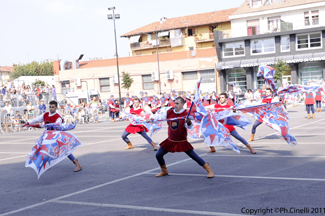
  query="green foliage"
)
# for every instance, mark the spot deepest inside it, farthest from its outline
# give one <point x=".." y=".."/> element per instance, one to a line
<point x="32" y="69"/>
<point x="281" y="68"/>
<point x="126" y="80"/>
<point x="40" y="82"/>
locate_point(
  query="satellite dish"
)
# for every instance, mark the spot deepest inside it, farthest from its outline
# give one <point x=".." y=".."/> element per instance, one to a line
<point x="193" y="53"/>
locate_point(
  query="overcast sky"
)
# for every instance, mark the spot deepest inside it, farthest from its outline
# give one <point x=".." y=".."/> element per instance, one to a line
<point x="51" y="29"/>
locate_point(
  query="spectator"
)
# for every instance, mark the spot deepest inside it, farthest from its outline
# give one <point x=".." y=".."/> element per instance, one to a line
<point x="4" y="89"/>
<point x="54" y="92"/>
<point x="46" y="91"/>
<point x="30" y="109"/>
<point x="42" y="107"/>
<point x="7" y="108"/>
<point x="81" y="103"/>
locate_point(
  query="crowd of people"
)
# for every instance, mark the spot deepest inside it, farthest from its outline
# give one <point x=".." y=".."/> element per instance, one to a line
<point x="21" y="95"/>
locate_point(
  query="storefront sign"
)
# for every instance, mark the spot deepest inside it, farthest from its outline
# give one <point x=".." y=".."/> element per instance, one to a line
<point x="272" y="62"/>
<point x="306" y="60"/>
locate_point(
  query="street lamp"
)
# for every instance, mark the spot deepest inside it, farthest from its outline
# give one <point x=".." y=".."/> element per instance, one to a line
<point x="113" y="17"/>
<point x="162" y="20"/>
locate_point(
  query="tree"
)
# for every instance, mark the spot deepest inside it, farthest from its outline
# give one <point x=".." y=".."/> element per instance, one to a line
<point x="281" y="68"/>
<point x="32" y="69"/>
<point x="40" y="82"/>
<point x="126" y="80"/>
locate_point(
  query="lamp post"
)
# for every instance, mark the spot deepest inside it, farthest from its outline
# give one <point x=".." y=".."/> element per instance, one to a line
<point x="113" y="17"/>
<point x="162" y="20"/>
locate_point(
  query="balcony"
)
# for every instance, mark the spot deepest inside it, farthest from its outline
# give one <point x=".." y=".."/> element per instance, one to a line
<point x="205" y="37"/>
<point x="150" y="44"/>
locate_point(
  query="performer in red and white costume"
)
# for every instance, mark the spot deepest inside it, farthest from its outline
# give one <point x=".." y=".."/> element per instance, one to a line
<point x="268" y="99"/>
<point x="220" y="107"/>
<point x="309" y="102"/>
<point x="318" y="100"/>
<point x="177" y="138"/>
<point x="140" y="129"/>
<point x="54" y="117"/>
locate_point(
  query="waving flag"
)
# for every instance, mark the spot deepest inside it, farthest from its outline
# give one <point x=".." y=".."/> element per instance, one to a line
<point x="194" y="131"/>
<point x="235" y="119"/>
<point x="215" y="134"/>
<point x="268" y="75"/>
<point x="298" y="88"/>
<point x="198" y="102"/>
<point x="274" y="116"/>
<point x="51" y="148"/>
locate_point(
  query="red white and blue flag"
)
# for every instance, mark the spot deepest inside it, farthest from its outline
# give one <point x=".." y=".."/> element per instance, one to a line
<point x="268" y="74"/>
<point x="52" y="147"/>
<point x="274" y="116"/>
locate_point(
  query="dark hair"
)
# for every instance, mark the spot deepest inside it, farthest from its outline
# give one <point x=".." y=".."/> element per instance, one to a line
<point x="136" y="99"/>
<point x="54" y="103"/>
<point x="182" y="100"/>
<point x="269" y="89"/>
<point x="225" y="94"/>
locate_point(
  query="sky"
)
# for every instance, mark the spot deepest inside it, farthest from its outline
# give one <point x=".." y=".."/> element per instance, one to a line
<point x="47" y="30"/>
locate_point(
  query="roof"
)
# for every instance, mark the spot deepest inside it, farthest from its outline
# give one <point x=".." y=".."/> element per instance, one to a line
<point x="245" y="8"/>
<point x="200" y="53"/>
<point x="6" y="68"/>
<point x="185" y="21"/>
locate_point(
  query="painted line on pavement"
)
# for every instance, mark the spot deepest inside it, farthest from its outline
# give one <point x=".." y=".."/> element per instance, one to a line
<point x="247" y="177"/>
<point x="91" y="188"/>
<point x="13" y="157"/>
<point x="147" y="208"/>
<point x="265" y="156"/>
<point x="14" y="153"/>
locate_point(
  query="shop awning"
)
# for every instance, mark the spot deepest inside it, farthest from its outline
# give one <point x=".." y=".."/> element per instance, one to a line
<point x="164" y="33"/>
<point x="309" y="57"/>
<point x="135" y="39"/>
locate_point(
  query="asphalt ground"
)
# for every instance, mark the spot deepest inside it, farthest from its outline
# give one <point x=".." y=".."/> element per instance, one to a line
<point x="122" y="182"/>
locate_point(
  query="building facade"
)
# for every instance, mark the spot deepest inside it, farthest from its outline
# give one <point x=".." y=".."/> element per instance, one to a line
<point x="5" y="74"/>
<point x="187" y="33"/>
<point x="179" y="71"/>
<point x="265" y="31"/>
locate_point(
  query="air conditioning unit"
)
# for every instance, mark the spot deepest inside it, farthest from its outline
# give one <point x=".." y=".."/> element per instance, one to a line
<point x="154" y="76"/>
<point x="115" y="79"/>
<point x="170" y="74"/>
<point x="77" y="82"/>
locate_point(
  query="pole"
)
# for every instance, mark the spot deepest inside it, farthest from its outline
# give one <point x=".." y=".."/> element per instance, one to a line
<point x="118" y="73"/>
<point x="158" y="62"/>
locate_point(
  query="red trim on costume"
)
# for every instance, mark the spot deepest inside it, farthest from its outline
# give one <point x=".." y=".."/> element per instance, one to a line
<point x="309" y="98"/>
<point x="51" y="119"/>
<point x="220" y="108"/>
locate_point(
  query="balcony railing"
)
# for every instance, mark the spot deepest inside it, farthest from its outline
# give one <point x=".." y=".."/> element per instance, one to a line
<point x="267" y="29"/>
<point x="204" y="37"/>
<point x="150" y="44"/>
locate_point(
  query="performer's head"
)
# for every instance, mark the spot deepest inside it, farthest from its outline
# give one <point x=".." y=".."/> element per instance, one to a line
<point x="136" y="102"/>
<point x="179" y="103"/>
<point x="223" y="97"/>
<point x="263" y="86"/>
<point x="53" y="106"/>
<point x="268" y="91"/>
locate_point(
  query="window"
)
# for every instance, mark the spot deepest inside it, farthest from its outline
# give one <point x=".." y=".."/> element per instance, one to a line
<point x="274" y="24"/>
<point x="285" y="43"/>
<point x="65" y="86"/>
<point x="311" y="18"/>
<point x="191" y="48"/>
<point x="190" y="32"/>
<point x="256" y="3"/>
<point x="315" y="17"/>
<point x="310" y="71"/>
<point x="253" y="27"/>
<point x="104" y="85"/>
<point x="238" y="76"/>
<point x="234" y="49"/>
<point x="190" y="75"/>
<point x="147" y="82"/>
<point x="263" y="46"/>
<point x="306" y="41"/>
